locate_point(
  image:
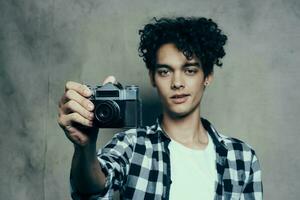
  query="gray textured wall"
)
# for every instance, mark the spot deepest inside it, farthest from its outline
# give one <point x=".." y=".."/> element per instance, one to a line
<point x="45" y="43"/>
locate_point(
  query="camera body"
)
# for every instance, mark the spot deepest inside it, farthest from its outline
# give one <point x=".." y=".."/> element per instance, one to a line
<point x="115" y="106"/>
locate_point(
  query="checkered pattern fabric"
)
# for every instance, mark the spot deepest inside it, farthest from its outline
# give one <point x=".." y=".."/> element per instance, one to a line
<point x="137" y="163"/>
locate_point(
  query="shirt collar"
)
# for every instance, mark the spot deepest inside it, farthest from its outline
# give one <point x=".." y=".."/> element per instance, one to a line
<point x="218" y="139"/>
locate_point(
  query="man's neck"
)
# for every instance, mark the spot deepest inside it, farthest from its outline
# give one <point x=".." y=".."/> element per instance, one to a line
<point x="187" y="130"/>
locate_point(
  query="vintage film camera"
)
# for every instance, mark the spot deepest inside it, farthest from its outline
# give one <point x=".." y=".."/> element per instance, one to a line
<point x="116" y="107"/>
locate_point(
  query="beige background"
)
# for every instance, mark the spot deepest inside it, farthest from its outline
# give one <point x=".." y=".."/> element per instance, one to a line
<point x="254" y="97"/>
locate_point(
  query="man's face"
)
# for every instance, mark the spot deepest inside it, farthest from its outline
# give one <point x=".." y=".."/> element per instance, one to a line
<point x="179" y="81"/>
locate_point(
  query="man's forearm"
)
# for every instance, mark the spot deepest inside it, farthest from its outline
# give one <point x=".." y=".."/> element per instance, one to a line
<point x="86" y="172"/>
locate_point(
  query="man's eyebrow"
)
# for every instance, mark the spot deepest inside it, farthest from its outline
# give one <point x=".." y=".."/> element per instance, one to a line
<point x="162" y="66"/>
<point x="197" y="64"/>
<point x="189" y="64"/>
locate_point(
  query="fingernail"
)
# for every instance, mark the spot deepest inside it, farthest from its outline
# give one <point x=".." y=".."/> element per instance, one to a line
<point x="91" y="106"/>
<point x="91" y="115"/>
<point x="70" y="128"/>
<point x="87" y="92"/>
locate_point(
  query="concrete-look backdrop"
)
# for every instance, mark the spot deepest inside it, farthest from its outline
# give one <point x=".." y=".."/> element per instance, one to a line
<point x="44" y="43"/>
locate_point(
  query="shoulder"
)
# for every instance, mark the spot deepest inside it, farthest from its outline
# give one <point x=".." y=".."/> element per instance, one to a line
<point x="238" y="148"/>
<point x="241" y="156"/>
<point x="230" y="143"/>
<point x="236" y="144"/>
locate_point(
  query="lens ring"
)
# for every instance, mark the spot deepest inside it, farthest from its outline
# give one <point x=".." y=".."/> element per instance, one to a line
<point x="107" y="112"/>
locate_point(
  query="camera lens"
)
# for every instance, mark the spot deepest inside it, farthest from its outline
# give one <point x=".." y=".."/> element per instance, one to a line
<point x="107" y="112"/>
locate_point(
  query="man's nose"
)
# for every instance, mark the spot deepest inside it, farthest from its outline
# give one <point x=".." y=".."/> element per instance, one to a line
<point x="177" y="81"/>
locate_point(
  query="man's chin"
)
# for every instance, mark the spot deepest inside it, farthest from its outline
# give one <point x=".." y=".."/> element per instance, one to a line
<point x="177" y="114"/>
<point x="180" y="113"/>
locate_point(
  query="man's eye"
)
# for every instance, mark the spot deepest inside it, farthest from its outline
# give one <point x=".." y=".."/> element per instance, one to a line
<point x="163" y="72"/>
<point x="191" y="71"/>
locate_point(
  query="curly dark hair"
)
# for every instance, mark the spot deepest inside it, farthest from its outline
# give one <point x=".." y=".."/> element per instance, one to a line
<point x="192" y="36"/>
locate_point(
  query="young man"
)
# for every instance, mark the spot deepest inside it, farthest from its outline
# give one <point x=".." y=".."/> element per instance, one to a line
<point x="181" y="156"/>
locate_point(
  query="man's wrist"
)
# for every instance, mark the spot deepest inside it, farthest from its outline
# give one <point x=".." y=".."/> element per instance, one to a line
<point x="87" y="151"/>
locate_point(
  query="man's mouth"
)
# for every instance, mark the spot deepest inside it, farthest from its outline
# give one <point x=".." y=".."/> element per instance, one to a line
<point x="179" y="98"/>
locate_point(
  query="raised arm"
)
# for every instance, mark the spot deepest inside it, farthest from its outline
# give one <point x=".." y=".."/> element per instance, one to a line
<point x="75" y="118"/>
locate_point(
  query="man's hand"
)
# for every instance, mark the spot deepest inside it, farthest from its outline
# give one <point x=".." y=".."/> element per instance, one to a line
<point x="76" y="113"/>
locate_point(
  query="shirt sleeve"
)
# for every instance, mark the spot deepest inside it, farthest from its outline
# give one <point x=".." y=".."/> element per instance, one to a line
<point x="254" y="188"/>
<point x="114" y="159"/>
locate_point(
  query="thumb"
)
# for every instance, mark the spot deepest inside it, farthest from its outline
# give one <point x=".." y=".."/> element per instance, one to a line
<point x="110" y="79"/>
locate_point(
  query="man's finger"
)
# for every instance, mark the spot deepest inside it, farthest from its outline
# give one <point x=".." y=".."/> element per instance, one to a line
<point x="84" y="102"/>
<point x="80" y="88"/>
<point x="69" y="119"/>
<point x="73" y="106"/>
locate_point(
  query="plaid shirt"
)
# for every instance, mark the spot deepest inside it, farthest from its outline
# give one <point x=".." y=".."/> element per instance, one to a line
<point x="137" y="163"/>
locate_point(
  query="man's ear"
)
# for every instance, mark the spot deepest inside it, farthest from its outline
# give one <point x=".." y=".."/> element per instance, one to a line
<point x="209" y="79"/>
<point x="151" y="77"/>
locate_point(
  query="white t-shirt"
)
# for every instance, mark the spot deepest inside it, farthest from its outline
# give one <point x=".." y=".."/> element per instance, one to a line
<point x="193" y="172"/>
